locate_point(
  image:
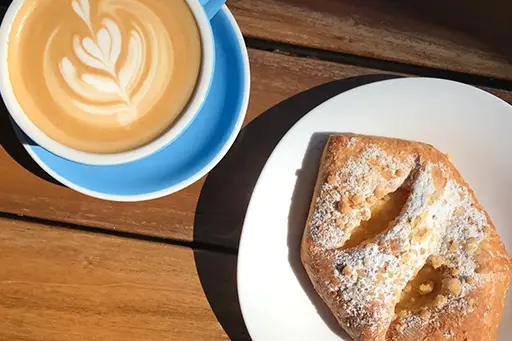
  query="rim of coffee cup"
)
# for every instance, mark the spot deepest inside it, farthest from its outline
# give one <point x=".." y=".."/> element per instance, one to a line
<point x="180" y="124"/>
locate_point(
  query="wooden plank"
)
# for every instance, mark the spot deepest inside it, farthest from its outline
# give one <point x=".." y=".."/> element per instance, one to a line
<point x="59" y="284"/>
<point x="219" y="215"/>
<point x="503" y="94"/>
<point x="21" y="192"/>
<point x="466" y="36"/>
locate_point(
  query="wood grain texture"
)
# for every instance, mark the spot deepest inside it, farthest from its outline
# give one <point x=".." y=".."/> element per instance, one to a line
<point x="275" y="77"/>
<point x="22" y="192"/>
<point x="58" y="284"/>
<point x="467" y="36"/>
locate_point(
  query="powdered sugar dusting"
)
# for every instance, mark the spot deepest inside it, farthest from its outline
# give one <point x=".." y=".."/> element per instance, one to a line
<point x="439" y="218"/>
<point x="384" y="265"/>
<point x="358" y="180"/>
<point x="469" y="222"/>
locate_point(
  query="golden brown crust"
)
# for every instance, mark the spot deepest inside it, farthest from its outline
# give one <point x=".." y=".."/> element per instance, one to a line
<point x="442" y="226"/>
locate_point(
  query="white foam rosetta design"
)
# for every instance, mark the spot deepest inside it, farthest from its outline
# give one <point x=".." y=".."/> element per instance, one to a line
<point x="101" y="82"/>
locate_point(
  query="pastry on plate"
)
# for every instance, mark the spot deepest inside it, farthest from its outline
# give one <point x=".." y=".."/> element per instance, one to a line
<point x="398" y="246"/>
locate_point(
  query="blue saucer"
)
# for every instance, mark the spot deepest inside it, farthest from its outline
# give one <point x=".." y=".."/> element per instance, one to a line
<point x="191" y="155"/>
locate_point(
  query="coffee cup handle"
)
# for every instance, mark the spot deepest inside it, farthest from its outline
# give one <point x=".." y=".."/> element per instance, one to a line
<point x="211" y="7"/>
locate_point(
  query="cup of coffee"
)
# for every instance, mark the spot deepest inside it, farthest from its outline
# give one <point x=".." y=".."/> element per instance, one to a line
<point x="106" y="81"/>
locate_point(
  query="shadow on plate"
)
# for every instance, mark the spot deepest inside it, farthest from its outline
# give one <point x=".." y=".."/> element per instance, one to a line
<point x="226" y="193"/>
<point x="12" y="145"/>
<point x="299" y="209"/>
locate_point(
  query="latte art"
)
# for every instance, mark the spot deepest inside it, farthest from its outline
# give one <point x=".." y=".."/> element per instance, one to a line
<point x="110" y="75"/>
<point x="101" y="84"/>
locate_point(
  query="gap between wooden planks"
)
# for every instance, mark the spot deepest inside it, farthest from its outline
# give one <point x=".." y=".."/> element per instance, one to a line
<point x="459" y="35"/>
<point x="275" y="77"/>
<point x="58" y="284"/>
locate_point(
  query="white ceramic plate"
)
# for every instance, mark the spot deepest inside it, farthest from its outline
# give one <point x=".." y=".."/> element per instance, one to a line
<point x="276" y="297"/>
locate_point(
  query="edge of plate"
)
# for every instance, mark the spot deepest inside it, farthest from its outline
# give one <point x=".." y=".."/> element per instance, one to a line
<point x="272" y="155"/>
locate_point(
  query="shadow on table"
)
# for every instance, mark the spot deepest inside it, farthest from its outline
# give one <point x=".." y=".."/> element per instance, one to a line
<point x="12" y="145"/>
<point x="226" y="192"/>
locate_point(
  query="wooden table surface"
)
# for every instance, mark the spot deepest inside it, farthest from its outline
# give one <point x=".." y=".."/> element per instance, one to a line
<point x="78" y="268"/>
